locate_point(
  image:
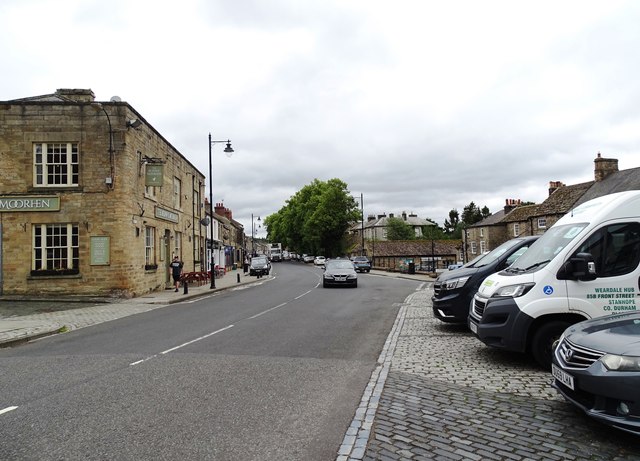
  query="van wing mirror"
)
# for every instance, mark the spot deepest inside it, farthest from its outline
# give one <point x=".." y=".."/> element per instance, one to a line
<point x="580" y="267"/>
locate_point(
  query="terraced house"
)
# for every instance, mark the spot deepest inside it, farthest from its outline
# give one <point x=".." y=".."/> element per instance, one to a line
<point x="93" y="200"/>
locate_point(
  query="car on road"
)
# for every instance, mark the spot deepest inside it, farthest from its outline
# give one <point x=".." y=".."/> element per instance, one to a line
<point x="259" y="266"/>
<point x="362" y="264"/>
<point x="339" y="272"/>
<point x="596" y="367"/>
<point x="319" y="261"/>
<point x="453" y="290"/>
<point x="308" y="258"/>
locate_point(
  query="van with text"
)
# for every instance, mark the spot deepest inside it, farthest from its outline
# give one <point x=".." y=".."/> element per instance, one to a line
<point x="586" y="265"/>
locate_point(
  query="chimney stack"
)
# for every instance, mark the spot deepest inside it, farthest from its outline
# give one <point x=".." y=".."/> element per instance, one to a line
<point x="510" y="204"/>
<point x="554" y="186"/>
<point x="604" y="167"/>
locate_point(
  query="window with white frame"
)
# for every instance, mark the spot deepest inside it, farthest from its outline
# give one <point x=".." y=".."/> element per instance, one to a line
<point x="483" y="246"/>
<point x="473" y="248"/>
<point x="56" y="248"/>
<point x="482" y="232"/>
<point x="149" y="246"/>
<point x="177" y="250"/>
<point x="516" y="229"/>
<point x="55" y="164"/>
<point x="177" y="193"/>
<point x="542" y="223"/>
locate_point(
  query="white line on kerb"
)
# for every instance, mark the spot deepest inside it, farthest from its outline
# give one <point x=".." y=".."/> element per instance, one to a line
<point x="268" y="310"/>
<point x="7" y="410"/>
<point x="196" y="340"/>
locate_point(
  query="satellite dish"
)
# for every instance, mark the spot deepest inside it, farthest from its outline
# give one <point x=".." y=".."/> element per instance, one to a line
<point x="205" y="221"/>
<point x="116" y="99"/>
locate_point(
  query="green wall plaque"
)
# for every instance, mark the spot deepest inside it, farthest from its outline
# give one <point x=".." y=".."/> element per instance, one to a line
<point x="100" y="249"/>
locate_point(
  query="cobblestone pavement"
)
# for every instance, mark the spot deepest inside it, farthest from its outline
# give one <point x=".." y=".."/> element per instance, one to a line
<point x="445" y="395"/>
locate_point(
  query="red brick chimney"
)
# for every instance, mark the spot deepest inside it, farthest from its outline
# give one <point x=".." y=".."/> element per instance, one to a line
<point x="554" y="186"/>
<point x="510" y="204"/>
<point x="604" y="167"/>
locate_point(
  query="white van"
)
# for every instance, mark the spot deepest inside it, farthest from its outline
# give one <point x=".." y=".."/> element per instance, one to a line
<point x="584" y="266"/>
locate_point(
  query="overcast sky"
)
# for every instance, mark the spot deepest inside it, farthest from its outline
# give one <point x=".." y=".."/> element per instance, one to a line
<point x="420" y="106"/>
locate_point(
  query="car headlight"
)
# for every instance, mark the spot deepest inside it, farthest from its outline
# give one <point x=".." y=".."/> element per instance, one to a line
<point x="620" y="362"/>
<point x="513" y="291"/>
<point x="352" y="276"/>
<point x="455" y="283"/>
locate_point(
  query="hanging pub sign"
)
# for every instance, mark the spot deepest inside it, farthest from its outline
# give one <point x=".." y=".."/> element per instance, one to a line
<point x="154" y="174"/>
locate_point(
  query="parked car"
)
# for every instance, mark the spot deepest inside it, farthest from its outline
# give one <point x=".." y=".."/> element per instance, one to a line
<point x="308" y="258"/>
<point x="596" y="367"/>
<point x="453" y="290"/>
<point x="319" y="261"/>
<point x="362" y="264"/>
<point x="339" y="272"/>
<point x="259" y="266"/>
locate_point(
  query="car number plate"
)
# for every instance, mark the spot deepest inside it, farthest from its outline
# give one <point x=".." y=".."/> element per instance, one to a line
<point x="473" y="327"/>
<point x="562" y="376"/>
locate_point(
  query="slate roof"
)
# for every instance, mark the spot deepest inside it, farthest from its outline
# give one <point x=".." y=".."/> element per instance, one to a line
<point x="521" y="213"/>
<point x="495" y="218"/>
<point x="619" y="181"/>
<point x="563" y="199"/>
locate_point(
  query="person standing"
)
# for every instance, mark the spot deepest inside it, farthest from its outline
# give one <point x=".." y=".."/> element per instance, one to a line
<point x="176" y="271"/>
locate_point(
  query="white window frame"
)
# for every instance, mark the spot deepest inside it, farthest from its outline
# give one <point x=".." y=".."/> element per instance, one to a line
<point x="473" y="248"/>
<point x="516" y="229"/>
<point x="55" y="247"/>
<point x="149" y="245"/>
<point x="46" y="168"/>
<point x="483" y="246"/>
<point x="542" y="223"/>
<point x="177" y="193"/>
<point x="177" y="250"/>
<point x="482" y="232"/>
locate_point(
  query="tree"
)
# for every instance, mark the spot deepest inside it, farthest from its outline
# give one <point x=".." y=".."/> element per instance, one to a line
<point x="397" y="229"/>
<point x="451" y="224"/>
<point x="472" y="214"/>
<point x="315" y="219"/>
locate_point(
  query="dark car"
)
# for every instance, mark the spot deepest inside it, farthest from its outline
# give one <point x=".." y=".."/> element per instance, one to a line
<point x="454" y="290"/>
<point x="259" y="266"/>
<point x="339" y="272"/>
<point x="596" y="367"/>
<point x="362" y="264"/>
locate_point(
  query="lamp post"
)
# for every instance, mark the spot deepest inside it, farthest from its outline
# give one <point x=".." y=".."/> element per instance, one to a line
<point x="253" y="236"/>
<point x="228" y="150"/>
<point x="362" y="224"/>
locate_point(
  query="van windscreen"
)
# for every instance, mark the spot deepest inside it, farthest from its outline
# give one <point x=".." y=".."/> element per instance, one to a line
<point x="543" y="250"/>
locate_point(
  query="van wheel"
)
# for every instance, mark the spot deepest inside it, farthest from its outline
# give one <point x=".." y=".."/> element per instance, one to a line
<point x="543" y="339"/>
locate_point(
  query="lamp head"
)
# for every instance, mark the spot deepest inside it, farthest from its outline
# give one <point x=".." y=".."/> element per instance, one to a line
<point x="134" y="123"/>
<point x="228" y="150"/>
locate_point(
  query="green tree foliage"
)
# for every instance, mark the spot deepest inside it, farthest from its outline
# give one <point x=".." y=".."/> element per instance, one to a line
<point x="315" y="219"/>
<point x="472" y="214"/>
<point x="451" y="225"/>
<point x="397" y="229"/>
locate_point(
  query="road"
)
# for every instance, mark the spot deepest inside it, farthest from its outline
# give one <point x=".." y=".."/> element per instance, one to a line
<point x="274" y="371"/>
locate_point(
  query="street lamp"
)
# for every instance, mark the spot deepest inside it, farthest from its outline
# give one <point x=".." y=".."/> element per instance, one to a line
<point x="228" y="150"/>
<point x="253" y="236"/>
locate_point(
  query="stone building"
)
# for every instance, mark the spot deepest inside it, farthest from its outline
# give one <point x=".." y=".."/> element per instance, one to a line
<point x="93" y="200"/>
<point x="516" y="220"/>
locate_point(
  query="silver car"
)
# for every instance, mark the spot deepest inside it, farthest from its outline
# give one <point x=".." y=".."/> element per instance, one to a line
<point x="339" y="272"/>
